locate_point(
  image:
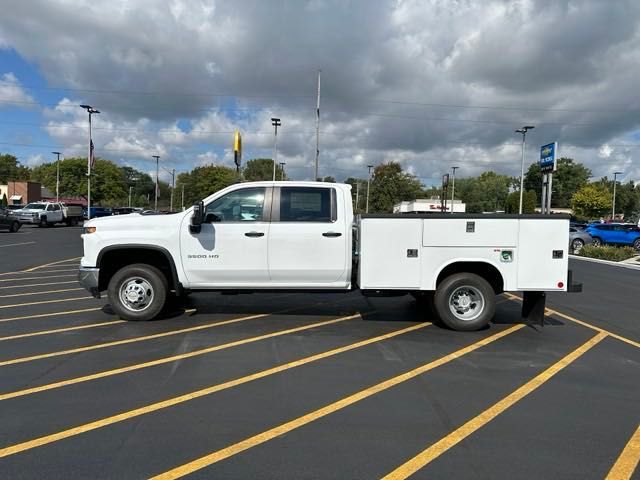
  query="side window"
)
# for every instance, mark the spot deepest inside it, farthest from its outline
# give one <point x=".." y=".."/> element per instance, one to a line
<point x="56" y="207"/>
<point x="307" y="204"/>
<point x="244" y="205"/>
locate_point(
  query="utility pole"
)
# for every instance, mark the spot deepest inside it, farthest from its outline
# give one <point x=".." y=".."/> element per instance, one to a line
<point x="173" y="184"/>
<point x="183" y="197"/>
<point x="276" y="123"/>
<point x="130" y="187"/>
<point x="615" y="182"/>
<point x="282" y="164"/>
<point x="57" y="176"/>
<point x="90" y="110"/>
<point x="357" y="196"/>
<point x="157" y="157"/>
<point x="453" y="187"/>
<point x="523" y="131"/>
<point x="368" y="186"/>
<point x="315" y="178"/>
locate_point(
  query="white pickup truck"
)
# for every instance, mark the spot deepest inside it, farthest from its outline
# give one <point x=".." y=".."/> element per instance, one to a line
<point x="46" y="214"/>
<point x="303" y="236"/>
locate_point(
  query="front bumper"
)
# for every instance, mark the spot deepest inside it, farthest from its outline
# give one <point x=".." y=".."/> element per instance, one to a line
<point x="89" y="278"/>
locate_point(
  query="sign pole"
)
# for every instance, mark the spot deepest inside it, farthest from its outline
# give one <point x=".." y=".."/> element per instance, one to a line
<point x="549" y="183"/>
<point x="543" y="198"/>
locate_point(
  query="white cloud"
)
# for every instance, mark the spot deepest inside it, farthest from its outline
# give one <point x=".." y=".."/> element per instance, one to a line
<point x="12" y="91"/>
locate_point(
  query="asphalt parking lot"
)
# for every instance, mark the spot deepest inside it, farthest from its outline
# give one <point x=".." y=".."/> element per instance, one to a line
<point x="309" y="386"/>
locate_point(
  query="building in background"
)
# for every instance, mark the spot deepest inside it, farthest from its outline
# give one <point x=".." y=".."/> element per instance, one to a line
<point x="21" y="192"/>
<point x="430" y="205"/>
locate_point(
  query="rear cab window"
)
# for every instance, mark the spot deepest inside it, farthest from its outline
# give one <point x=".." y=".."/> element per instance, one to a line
<point x="307" y="204"/>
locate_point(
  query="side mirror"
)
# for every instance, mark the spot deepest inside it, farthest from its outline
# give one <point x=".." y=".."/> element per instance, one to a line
<point x="197" y="218"/>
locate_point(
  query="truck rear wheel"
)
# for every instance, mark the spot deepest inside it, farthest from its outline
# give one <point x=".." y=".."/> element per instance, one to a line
<point x="137" y="292"/>
<point x="465" y="301"/>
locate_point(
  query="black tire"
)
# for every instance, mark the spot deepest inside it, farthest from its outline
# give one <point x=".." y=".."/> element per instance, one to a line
<point x="74" y="222"/>
<point x="43" y="222"/>
<point x="597" y="242"/>
<point x="577" y="245"/>
<point x="471" y="292"/>
<point x="636" y="244"/>
<point x="15" y="226"/>
<point x="148" y="282"/>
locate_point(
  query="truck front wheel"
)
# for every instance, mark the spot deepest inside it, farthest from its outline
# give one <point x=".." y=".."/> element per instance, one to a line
<point x="465" y="301"/>
<point x="137" y="292"/>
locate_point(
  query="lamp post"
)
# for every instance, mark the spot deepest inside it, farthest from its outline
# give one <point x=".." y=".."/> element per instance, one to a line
<point x="57" y="176"/>
<point x="282" y="164"/>
<point x="615" y="182"/>
<point x="276" y="123"/>
<point x="90" y="110"/>
<point x="453" y="186"/>
<point x="173" y="184"/>
<point x="523" y="131"/>
<point x="157" y="157"/>
<point x="368" y="186"/>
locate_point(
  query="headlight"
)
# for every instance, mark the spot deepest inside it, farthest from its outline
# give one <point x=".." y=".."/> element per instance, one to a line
<point x="88" y="229"/>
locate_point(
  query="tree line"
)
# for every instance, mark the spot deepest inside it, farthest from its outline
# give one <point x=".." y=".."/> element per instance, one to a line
<point x="389" y="184"/>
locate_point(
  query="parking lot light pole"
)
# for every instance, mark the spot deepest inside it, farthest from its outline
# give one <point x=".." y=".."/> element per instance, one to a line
<point x="282" y="164"/>
<point x="157" y="157"/>
<point x="172" y="172"/>
<point x="615" y="182"/>
<point x="368" y="186"/>
<point x="57" y="176"/>
<point x="453" y="186"/>
<point x="276" y="123"/>
<point x="90" y="110"/>
<point x="523" y="131"/>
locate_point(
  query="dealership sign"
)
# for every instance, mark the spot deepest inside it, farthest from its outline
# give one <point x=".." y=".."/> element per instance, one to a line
<point x="548" y="157"/>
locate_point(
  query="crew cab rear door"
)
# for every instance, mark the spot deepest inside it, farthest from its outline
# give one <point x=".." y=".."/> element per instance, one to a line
<point x="231" y="248"/>
<point x="308" y="242"/>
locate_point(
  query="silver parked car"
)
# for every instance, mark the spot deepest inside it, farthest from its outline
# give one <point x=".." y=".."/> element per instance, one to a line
<point x="578" y="239"/>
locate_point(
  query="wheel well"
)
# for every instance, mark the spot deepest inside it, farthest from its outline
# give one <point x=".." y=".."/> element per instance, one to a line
<point x="113" y="260"/>
<point x="484" y="270"/>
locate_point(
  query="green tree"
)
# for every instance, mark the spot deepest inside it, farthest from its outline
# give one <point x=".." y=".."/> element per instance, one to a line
<point x="570" y="177"/>
<point x="486" y="193"/>
<point x="4" y="202"/>
<point x="627" y="196"/>
<point x="10" y="169"/>
<point x="358" y="191"/>
<point x="391" y="185"/>
<point x="529" y="200"/>
<point x="592" y="201"/>
<point x="108" y="183"/>
<point x="261" y="169"/>
<point x="201" y="182"/>
<point x="329" y="179"/>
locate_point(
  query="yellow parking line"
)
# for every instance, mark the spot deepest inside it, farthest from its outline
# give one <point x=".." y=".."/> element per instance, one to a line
<point x="37" y="278"/>
<point x="42" y="302"/>
<point x="60" y="330"/>
<point x="51" y="314"/>
<point x="130" y="340"/>
<point x="21" y="447"/>
<point x="51" y="263"/>
<point x="41" y="293"/>
<point x="173" y="358"/>
<point x="39" y="284"/>
<point x="441" y="446"/>
<point x="550" y="311"/>
<point x="326" y="410"/>
<point x="628" y="460"/>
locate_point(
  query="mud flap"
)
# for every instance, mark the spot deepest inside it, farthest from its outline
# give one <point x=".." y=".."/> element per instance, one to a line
<point x="533" y="305"/>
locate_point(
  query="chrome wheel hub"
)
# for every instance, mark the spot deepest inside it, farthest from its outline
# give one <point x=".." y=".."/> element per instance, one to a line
<point x="136" y="294"/>
<point x="466" y="303"/>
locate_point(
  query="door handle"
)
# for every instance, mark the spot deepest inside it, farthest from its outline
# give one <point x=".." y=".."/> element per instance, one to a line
<point x="254" y="234"/>
<point x="331" y="234"/>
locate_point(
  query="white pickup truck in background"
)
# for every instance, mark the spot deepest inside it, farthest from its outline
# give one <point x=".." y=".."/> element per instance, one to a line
<point x="47" y="214"/>
<point x="303" y="236"/>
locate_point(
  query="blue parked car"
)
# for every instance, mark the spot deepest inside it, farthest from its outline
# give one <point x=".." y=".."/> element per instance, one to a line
<point x="615" y="233"/>
<point x="98" y="212"/>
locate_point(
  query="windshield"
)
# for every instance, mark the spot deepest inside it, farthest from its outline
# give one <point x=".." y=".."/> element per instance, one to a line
<point x="36" y="206"/>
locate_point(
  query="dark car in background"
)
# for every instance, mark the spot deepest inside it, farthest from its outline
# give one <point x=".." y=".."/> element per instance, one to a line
<point x="15" y="207"/>
<point x="98" y="212"/>
<point x="615" y="234"/>
<point x="125" y="210"/>
<point x="8" y="220"/>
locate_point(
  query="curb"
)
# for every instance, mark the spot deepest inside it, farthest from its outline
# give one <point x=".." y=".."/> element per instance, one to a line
<point x="606" y="262"/>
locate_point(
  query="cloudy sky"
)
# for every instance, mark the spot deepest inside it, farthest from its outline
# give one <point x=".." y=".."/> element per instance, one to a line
<point x="429" y="83"/>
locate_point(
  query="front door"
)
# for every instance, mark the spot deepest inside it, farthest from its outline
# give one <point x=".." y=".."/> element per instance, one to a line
<point x="231" y="248"/>
<point x="308" y="241"/>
